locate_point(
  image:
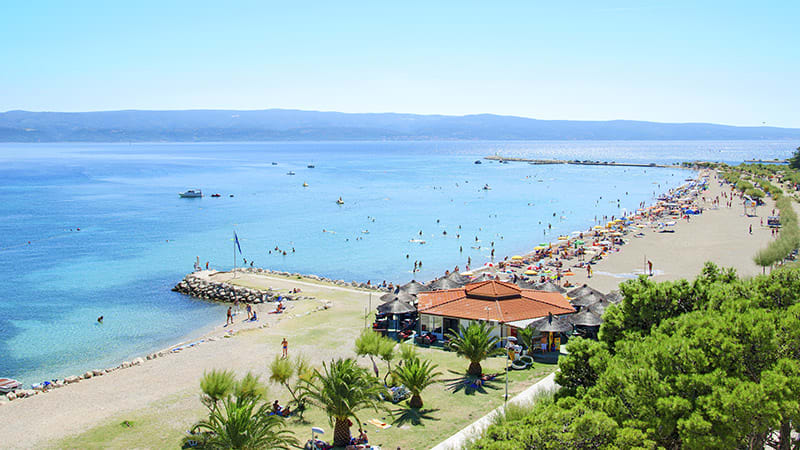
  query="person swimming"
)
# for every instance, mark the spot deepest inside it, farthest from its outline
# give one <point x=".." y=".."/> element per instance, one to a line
<point x="100" y="319"/>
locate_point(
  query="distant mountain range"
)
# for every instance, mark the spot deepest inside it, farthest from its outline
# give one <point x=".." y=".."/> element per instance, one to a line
<point x="295" y="125"/>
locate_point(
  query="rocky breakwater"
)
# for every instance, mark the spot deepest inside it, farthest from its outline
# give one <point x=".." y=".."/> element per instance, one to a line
<point x="198" y="285"/>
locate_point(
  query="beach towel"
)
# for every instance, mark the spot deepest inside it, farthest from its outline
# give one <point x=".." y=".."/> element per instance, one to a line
<point x="379" y="424"/>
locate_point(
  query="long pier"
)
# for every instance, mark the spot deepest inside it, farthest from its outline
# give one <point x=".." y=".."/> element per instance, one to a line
<point x="576" y="162"/>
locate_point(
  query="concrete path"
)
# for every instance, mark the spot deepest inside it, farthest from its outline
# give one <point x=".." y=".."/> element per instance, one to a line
<point x="463" y="437"/>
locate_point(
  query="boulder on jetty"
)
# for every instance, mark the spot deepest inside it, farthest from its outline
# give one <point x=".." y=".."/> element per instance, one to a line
<point x="97" y="372"/>
<point x="88" y="375"/>
<point x="11" y="396"/>
<point x="71" y="379"/>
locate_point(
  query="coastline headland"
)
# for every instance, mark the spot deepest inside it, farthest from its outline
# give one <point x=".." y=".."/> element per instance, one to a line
<point x="579" y="163"/>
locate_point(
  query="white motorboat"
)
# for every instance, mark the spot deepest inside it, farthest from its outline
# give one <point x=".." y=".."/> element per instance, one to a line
<point x="191" y="193"/>
<point x="7" y="385"/>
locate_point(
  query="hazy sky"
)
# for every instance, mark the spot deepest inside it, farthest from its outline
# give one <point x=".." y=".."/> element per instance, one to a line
<point x="673" y="61"/>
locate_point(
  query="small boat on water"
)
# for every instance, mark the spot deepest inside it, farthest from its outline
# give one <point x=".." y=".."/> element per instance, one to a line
<point x="478" y="162"/>
<point x="305" y="184"/>
<point x="7" y="385"/>
<point x="340" y="201"/>
<point x="310" y="166"/>
<point x="417" y="241"/>
<point x="486" y="187"/>
<point x="216" y="195"/>
<point x="290" y="173"/>
<point x="274" y="163"/>
<point x="191" y="193"/>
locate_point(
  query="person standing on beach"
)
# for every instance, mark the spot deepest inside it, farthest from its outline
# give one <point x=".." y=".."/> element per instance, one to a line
<point x="230" y="317"/>
<point x="589" y="271"/>
<point x="285" y="348"/>
<point x="249" y="311"/>
<point x="751" y="229"/>
<point x="650" y="267"/>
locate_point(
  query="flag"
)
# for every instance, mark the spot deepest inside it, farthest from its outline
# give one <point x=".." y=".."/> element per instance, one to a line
<point x="236" y="239"/>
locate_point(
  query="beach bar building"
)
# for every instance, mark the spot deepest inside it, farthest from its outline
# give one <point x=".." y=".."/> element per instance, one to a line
<point x="505" y="306"/>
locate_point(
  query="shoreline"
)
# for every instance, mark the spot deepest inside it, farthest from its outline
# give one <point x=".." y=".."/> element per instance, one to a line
<point x="201" y="334"/>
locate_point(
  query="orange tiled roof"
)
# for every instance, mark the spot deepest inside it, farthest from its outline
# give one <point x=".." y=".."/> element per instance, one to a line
<point x="493" y="300"/>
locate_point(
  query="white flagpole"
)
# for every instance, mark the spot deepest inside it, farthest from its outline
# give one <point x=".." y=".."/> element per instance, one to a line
<point x="234" y="254"/>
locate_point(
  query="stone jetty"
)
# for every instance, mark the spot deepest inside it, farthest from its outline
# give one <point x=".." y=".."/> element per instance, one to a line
<point x="199" y="285"/>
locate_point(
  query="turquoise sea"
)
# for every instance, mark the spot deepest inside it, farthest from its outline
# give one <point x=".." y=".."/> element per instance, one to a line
<point x="137" y="238"/>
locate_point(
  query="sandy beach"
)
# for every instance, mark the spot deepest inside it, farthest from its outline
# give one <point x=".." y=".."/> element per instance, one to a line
<point x="167" y="387"/>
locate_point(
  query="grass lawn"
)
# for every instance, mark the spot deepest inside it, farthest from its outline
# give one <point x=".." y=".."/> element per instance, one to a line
<point x="322" y="336"/>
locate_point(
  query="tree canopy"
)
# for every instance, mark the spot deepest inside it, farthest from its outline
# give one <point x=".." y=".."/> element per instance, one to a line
<point x="712" y="363"/>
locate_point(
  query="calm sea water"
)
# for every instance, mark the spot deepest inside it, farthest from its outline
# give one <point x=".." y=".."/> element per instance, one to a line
<point x="137" y="238"/>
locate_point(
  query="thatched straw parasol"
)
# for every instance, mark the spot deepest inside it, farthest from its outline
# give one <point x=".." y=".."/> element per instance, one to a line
<point x="599" y="308"/>
<point x="551" y="324"/>
<point x="583" y="290"/>
<point x="614" y="297"/>
<point x="402" y="296"/>
<point x="396" y="306"/>
<point x="444" y="283"/>
<point x="550" y="287"/>
<point x="482" y="277"/>
<point x="413" y="287"/>
<point x="457" y="278"/>
<point x="586" y="319"/>
<point x="587" y="299"/>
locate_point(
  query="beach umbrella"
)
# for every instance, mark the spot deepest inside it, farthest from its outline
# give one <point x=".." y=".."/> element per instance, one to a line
<point x="413" y="287"/>
<point x="614" y="297"/>
<point x="587" y="299"/>
<point x="583" y="290"/>
<point x="585" y="318"/>
<point x="551" y="324"/>
<point x="482" y="277"/>
<point x="580" y="242"/>
<point x="549" y="286"/>
<point x="597" y="227"/>
<point x="530" y="272"/>
<point x="444" y="283"/>
<point x="599" y="308"/>
<point x="539" y="247"/>
<point x="402" y="296"/>
<point x="516" y="258"/>
<point x="525" y="284"/>
<point x="457" y="278"/>
<point x="575" y="233"/>
<point x="388" y="297"/>
<point x="396" y="306"/>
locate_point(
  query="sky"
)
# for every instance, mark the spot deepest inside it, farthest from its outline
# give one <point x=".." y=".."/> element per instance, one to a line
<point x="728" y="62"/>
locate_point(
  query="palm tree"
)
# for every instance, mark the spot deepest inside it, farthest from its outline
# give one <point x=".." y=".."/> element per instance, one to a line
<point x="238" y="415"/>
<point x="416" y="375"/>
<point x="368" y="344"/>
<point x="283" y="371"/>
<point x="476" y="344"/>
<point x="386" y="352"/>
<point x="407" y="352"/>
<point x="525" y="337"/>
<point x="215" y="386"/>
<point x="342" y="389"/>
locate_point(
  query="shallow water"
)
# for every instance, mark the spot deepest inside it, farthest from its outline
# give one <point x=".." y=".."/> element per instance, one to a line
<point x="137" y="238"/>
